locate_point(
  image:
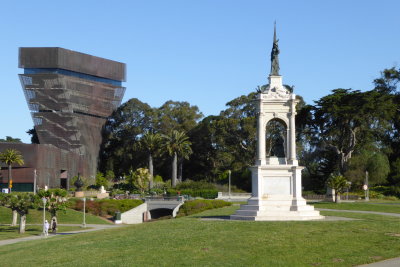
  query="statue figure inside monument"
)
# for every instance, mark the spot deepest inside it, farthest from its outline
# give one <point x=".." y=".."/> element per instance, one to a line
<point x="275" y="142"/>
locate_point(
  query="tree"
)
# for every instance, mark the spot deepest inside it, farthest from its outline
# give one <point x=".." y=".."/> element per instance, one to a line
<point x="21" y="202"/>
<point x="122" y="130"/>
<point x="151" y="144"/>
<point x="10" y="139"/>
<point x="101" y="180"/>
<point x="140" y="179"/>
<point x="338" y="183"/>
<point x="9" y="157"/>
<point x="376" y="163"/>
<point x="56" y="201"/>
<point x="177" y="144"/>
<point x="179" y="116"/>
<point x="348" y="119"/>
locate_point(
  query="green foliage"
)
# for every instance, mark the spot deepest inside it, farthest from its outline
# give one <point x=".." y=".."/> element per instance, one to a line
<point x="195" y="185"/>
<point x="105" y="207"/>
<point x="10" y="139"/>
<point x="337" y="182"/>
<point x="56" y="200"/>
<point x="110" y="176"/>
<point x="203" y="193"/>
<point x="139" y="179"/>
<point x="101" y="180"/>
<point x="196" y="206"/>
<point x="377" y="165"/>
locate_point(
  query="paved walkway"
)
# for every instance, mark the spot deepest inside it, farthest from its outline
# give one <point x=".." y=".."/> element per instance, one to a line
<point x="93" y="227"/>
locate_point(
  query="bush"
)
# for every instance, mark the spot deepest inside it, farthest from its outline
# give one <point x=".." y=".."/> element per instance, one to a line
<point x="204" y="193"/>
<point x="105" y="207"/>
<point x="195" y="206"/>
<point x="196" y="185"/>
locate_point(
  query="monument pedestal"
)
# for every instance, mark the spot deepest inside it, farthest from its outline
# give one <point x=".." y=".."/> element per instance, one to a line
<point x="276" y="195"/>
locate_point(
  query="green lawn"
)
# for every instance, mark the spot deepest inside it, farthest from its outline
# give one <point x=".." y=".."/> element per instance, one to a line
<point x="36" y="217"/>
<point x="11" y="232"/>
<point x="192" y="241"/>
<point x="393" y="207"/>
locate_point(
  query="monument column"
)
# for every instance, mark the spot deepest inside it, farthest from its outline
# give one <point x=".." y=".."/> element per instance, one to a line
<point x="260" y="135"/>
<point x="292" y="127"/>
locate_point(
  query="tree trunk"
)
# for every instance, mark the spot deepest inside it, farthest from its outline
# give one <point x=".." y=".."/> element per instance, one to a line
<point x="22" y="222"/>
<point x="9" y="178"/>
<point x="337" y="197"/>
<point x="151" y="171"/>
<point x="180" y="171"/>
<point x="14" y="218"/>
<point x="174" y="171"/>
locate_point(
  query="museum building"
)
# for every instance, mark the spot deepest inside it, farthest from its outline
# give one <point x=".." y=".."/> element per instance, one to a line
<point x="70" y="95"/>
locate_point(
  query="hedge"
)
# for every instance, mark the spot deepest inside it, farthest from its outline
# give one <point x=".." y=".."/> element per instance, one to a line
<point x="105" y="206"/>
<point x="204" y="193"/>
<point x="195" y="206"/>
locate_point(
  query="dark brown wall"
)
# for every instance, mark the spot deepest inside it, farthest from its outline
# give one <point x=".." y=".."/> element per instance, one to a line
<point x="48" y="160"/>
<point x="56" y="57"/>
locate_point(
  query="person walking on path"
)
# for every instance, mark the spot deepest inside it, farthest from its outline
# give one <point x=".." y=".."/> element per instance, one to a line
<point x="46" y="228"/>
<point x="54" y="226"/>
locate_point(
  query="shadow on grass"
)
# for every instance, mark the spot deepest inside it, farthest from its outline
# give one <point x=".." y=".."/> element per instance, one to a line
<point x="212" y="217"/>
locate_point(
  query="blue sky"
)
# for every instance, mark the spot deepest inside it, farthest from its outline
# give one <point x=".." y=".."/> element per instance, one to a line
<point x="205" y="52"/>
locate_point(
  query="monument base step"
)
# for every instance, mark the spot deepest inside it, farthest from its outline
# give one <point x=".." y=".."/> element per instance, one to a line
<point x="276" y="218"/>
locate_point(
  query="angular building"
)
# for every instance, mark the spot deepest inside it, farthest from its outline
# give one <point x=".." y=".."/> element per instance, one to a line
<point x="70" y="95"/>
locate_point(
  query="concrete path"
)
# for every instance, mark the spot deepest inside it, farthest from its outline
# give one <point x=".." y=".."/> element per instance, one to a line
<point x="93" y="227"/>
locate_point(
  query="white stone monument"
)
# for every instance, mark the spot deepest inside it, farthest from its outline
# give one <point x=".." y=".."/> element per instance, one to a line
<point x="276" y="176"/>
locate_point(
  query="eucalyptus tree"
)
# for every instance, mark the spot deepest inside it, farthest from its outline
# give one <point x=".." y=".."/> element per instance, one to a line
<point x="9" y="157"/>
<point x="177" y="144"/>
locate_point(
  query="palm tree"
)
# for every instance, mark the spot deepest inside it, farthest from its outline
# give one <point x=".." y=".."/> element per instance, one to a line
<point x="151" y="143"/>
<point x="177" y="145"/>
<point x="11" y="156"/>
<point x="338" y="183"/>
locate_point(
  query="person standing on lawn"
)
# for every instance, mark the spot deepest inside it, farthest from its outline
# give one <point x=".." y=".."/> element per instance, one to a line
<point x="54" y="226"/>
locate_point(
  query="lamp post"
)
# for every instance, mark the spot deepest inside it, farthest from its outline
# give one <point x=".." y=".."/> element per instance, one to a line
<point x="366" y="187"/>
<point x="44" y="214"/>
<point x="229" y="185"/>
<point x="84" y="213"/>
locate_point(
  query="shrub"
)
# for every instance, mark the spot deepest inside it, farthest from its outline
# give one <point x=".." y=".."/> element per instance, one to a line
<point x="204" y="193"/>
<point x="196" y="185"/>
<point x="105" y="207"/>
<point x="195" y="206"/>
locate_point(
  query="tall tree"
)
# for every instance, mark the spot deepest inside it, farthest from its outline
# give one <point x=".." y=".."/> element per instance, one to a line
<point x="122" y="130"/>
<point x="151" y="144"/>
<point x="9" y="157"/>
<point x="177" y="144"/>
<point x="179" y="116"/>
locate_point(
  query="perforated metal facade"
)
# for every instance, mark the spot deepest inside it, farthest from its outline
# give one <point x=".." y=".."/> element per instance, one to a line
<point x="70" y="95"/>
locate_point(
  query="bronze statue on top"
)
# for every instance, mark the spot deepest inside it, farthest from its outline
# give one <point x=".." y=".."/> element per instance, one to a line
<point x="274" y="56"/>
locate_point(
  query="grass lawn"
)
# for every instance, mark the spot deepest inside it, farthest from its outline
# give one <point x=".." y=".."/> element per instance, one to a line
<point x="192" y="241"/>
<point x="36" y="217"/>
<point x="393" y="207"/>
<point x="11" y="232"/>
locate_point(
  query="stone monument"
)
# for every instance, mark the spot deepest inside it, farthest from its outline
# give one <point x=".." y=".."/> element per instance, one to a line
<point x="276" y="176"/>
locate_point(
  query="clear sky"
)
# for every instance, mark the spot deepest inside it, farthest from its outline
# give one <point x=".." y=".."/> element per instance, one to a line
<point x="206" y="52"/>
